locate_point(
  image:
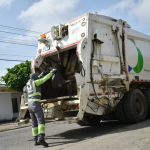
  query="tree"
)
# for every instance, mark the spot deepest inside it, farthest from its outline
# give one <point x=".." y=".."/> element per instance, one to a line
<point x="17" y="77"/>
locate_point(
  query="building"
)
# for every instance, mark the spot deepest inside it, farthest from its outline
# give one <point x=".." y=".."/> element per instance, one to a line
<point x="9" y="103"/>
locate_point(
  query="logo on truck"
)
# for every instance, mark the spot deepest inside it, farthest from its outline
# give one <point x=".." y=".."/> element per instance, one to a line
<point x="139" y="66"/>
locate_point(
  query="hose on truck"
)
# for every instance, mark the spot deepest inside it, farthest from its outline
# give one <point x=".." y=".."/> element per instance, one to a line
<point x="91" y="73"/>
<point x="91" y="77"/>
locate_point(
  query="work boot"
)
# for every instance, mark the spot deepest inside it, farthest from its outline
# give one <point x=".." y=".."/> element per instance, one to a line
<point x="37" y="143"/>
<point x="42" y="142"/>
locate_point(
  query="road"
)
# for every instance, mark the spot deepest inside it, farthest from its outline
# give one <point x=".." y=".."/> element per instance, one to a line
<point x="107" y="135"/>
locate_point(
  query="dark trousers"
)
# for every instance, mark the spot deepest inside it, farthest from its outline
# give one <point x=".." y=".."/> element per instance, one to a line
<point x="38" y="121"/>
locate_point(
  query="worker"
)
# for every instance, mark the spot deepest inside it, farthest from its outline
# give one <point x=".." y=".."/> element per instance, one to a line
<point x="34" y="105"/>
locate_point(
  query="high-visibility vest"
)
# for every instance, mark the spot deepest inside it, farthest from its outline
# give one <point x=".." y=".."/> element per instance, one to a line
<point x="34" y="88"/>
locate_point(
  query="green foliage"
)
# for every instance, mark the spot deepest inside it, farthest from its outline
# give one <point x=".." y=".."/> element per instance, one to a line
<point x="17" y="77"/>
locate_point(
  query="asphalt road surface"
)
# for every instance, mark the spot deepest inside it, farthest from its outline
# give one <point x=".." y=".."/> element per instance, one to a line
<point x="72" y="136"/>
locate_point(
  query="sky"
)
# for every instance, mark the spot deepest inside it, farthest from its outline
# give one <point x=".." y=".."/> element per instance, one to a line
<point x="22" y="21"/>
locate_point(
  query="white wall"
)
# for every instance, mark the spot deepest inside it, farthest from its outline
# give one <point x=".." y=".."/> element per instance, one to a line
<point x="6" y="112"/>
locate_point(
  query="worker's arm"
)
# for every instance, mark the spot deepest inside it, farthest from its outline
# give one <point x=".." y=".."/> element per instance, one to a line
<point x="41" y="81"/>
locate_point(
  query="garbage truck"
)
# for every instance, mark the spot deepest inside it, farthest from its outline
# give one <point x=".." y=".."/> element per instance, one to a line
<point x="106" y="68"/>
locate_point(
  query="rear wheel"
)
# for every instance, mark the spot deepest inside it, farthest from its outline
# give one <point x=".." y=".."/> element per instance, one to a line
<point x="147" y="97"/>
<point x="90" y="120"/>
<point x="119" y="111"/>
<point x="135" y="106"/>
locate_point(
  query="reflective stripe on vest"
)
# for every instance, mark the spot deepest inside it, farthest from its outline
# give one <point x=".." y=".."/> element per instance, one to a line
<point x="34" y="90"/>
<point x="34" y="100"/>
<point x="34" y="94"/>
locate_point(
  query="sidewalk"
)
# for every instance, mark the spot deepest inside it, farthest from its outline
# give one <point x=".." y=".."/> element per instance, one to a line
<point x="11" y="125"/>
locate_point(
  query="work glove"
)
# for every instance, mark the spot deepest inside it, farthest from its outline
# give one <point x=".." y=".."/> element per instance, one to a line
<point x="54" y="71"/>
<point x="44" y="73"/>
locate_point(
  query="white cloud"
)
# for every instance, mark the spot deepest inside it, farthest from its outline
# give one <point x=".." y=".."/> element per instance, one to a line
<point x="42" y="15"/>
<point x="141" y="11"/>
<point x="136" y="12"/>
<point x="5" y="3"/>
<point x="119" y="7"/>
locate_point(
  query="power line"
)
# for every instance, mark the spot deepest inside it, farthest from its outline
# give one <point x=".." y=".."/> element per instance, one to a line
<point x="19" y="29"/>
<point x="6" y="38"/>
<point x="18" y="43"/>
<point x="16" y="51"/>
<point x="18" y="34"/>
<point x="15" y="55"/>
<point x="14" y="60"/>
<point x="19" y="52"/>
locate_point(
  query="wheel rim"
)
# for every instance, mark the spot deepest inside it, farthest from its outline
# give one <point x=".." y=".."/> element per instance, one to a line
<point x="139" y="105"/>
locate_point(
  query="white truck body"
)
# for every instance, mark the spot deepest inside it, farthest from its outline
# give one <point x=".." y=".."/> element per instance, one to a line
<point x="119" y="61"/>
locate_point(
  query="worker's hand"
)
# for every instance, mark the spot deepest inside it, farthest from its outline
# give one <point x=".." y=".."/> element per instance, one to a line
<point x="54" y="71"/>
<point x="44" y="73"/>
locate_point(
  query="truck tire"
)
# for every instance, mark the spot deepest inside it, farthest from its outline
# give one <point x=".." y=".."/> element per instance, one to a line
<point x="119" y="111"/>
<point x="147" y="97"/>
<point x="90" y="120"/>
<point x="135" y="106"/>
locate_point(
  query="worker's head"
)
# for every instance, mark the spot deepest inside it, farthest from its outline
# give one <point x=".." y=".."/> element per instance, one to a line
<point x="34" y="76"/>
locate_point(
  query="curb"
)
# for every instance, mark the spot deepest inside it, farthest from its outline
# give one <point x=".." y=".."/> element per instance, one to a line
<point x="7" y="129"/>
<point x="29" y="124"/>
<point x="18" y="127"/>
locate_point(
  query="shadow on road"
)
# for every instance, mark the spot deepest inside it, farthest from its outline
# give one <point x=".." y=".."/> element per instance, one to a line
<point x="83" y="133"/>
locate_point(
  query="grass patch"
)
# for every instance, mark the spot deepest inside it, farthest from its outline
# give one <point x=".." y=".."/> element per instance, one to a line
<point x="4" y="129"/>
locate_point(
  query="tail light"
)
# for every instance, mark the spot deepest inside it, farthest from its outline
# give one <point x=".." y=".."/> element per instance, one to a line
<point x="64" y="109"/>
<point x="43" y="35"/>
<point x="83" y="34"/>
